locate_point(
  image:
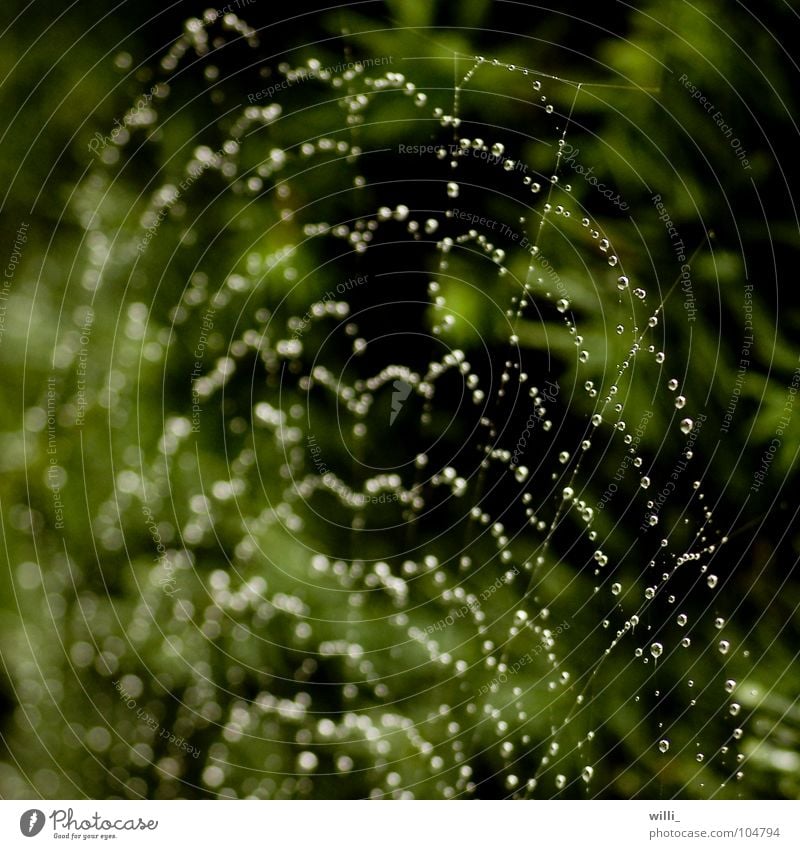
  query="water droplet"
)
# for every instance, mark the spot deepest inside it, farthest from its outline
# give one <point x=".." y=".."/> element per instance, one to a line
<point x="663" y="746"/>
<point x="307" y="761"/>
<point x="687" y="425"/>
<point x="656" y="649"/>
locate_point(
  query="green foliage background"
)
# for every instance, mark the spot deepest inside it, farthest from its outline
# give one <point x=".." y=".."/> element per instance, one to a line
<point x="77" y="617"/>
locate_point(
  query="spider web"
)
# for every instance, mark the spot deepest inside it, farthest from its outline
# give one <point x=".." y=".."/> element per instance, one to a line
<point x="419" y="529"/>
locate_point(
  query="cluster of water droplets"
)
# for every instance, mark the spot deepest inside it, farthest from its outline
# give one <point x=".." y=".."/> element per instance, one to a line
<point x="388" y="524"/>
